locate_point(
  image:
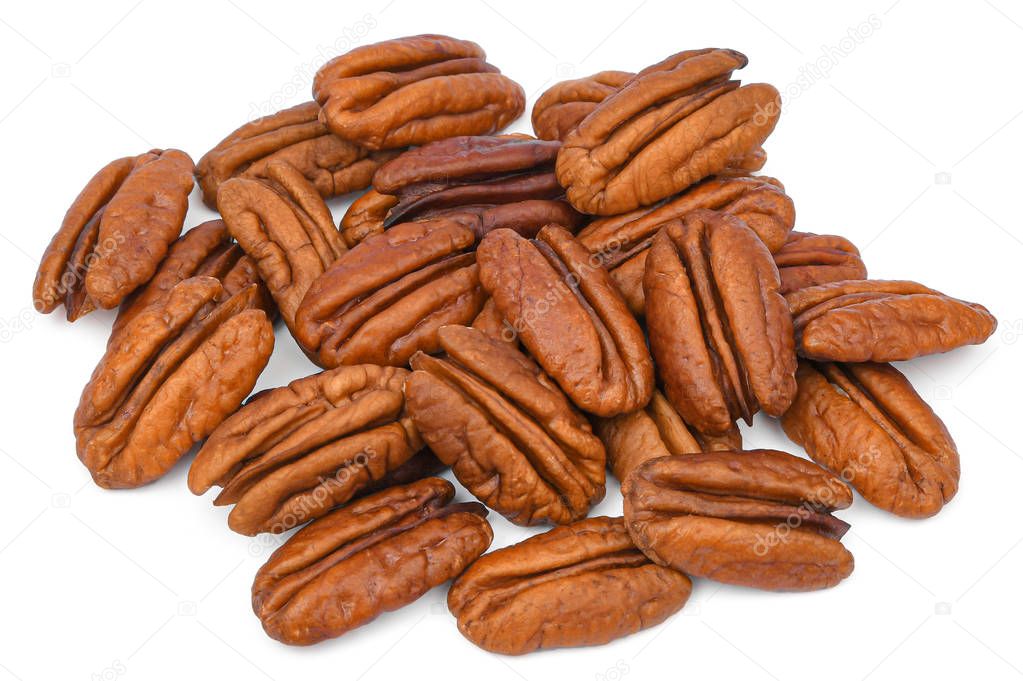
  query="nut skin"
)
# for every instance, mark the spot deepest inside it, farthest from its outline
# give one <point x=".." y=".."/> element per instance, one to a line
<point x="414" y="90"/>
<point x="720" y="515"/>
<point x="168" y="378"/>
<point x="867" y="422"/>
<point x="720" y="332"/>
<point x="403" y="541"/>
<point x="874" y="320"/>
<point x="562" y="106"/>
<point x="508" y="432"/>
<point x="570" y="317"/>
<point x="812" y="259"/>
<point x="576" y="585"/>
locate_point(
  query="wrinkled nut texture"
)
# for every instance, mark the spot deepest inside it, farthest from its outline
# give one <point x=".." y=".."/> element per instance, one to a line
<point x="507" y="180"/>
<point x="720" y="332"/>
<point x="298" y="451"/>
<point x="813" y="259"/>
<point x="372" y="556"/>
<point x="875" y="320"/>
<point x="560" y="108"/>
<point x="507" y="431"/>
<point x="760" y="518"/>
<point x="414" y="90"/>
<point x="654" y="431"/>
<point x="674" y="124"/>
<point x="331" y="164"/>
<point x="570" y="316"/>
<point x="384" y="300"/>
<point x="578" y="585"/>
<point x="168" y="378"/>
<point x="115" y="233"/>
<point x="866" y="422"/>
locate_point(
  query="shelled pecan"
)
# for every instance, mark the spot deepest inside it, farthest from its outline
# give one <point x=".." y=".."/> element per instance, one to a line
<point x="560" y="108"/>
<point x="811" y="259"/>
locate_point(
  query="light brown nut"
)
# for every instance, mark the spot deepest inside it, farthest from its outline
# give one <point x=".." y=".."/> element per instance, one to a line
<point x="375" y="555"/>
<point x="873" y="320"/>
<point x="867" y="423"/>
<point x="115" y="233"/>
<point x="508" y="433"/>
<point x="579" y="585"/>
<point x="300" y="450"/>
<point x="760" y="518"/>
<point x="415" y="90"/>
<point x="168" y="378"/>
<point x="811" y="259"/>
<point x="569" y="315"/>
<point x="674" y="124"/>
<point x="296" y="136"/>
<point x="720" y="332"/>
<point x="560" y="108"/>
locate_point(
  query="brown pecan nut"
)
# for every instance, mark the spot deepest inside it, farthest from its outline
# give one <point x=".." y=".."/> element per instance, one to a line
<point x="654" y="431"/>
<point x="564" y="104"/>
<point x="296" y="136"/>
<point x="674" y="124"/>
<point x="415" y="90"/>
<point x="508" y="180"/>
<point x="168" y="378"/>
<point x="115" y="233"/>
<point x="760" y="518"/>
<point x="873" y="320"/>
<point x="385" y="299"/>
<point x="507" y="431"/>
<point x="570" y="316"/>
<point x="867" y="423"/>
<point x="284" y="225"/>
<point x="719" y="330"/>
<point x="810" y="259"/>
<point x="300" y="450"/>
<point x="582" y="584"/>
<point x="372" y="556"/>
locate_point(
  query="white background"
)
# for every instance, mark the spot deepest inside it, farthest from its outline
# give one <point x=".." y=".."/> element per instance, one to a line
<point x="909" y="145"/>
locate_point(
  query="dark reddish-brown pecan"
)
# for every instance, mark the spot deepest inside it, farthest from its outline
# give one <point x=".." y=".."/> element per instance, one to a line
<point x="284" y="225"/>
<point x="560" y="108"/>
<point x="570" y="316"/>
<point x="115" y="233"/>
<point x="654" y="431"/>
<point x="168" y="378"/>
<point x="719" y="330"/>
<point x="374" y="555"/>
<point x="873" y="320"/>
<point x="508" y="180"/>
<point x="811" y="259"/>
<point x="760" y="518"/>
<point x="507" y="431"/>
<point x="414" y="90"/>
<point x="300" y="450"/>
<point x="674" y="124"/>
<point x="296" y="136"/>
<point x="867" y="423"/>
<point x="582" y="584"/>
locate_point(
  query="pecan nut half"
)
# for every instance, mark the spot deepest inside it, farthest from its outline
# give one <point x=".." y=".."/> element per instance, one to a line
<point x="811" y="259"/>
<point x="168" y="378"/>
<point x="760" y="518"/>
<point x="720" y="331"/>
<point x="674" y="124"/>
<point x="508" y="432"/>
<point x="415" y="90"/>
<point x="302" y="449"/>
<point x="873" y="320"/>
<point x="866" y="422"/>
<point x="402" y="542"/>
<point x="582" y="584"/>
<point x="331" y="164"/>
<point x="570" y="316"/>
<point x="115" y="233"/>
<point x="560" y="108"/>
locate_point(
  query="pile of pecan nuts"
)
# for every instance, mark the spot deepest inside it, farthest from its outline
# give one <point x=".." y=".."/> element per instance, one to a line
<point x="612" y="294"/>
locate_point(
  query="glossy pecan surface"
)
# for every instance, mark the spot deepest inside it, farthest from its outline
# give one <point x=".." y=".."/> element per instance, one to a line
<point x="560" y="108"/>
<point x="508" y="432"/>
<point x="372" y="556"/>
<point x="812" y="259"/>
<point x="414" y="90"/>
<point x="760" y="518"/>
<point x="577" y="585"/>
